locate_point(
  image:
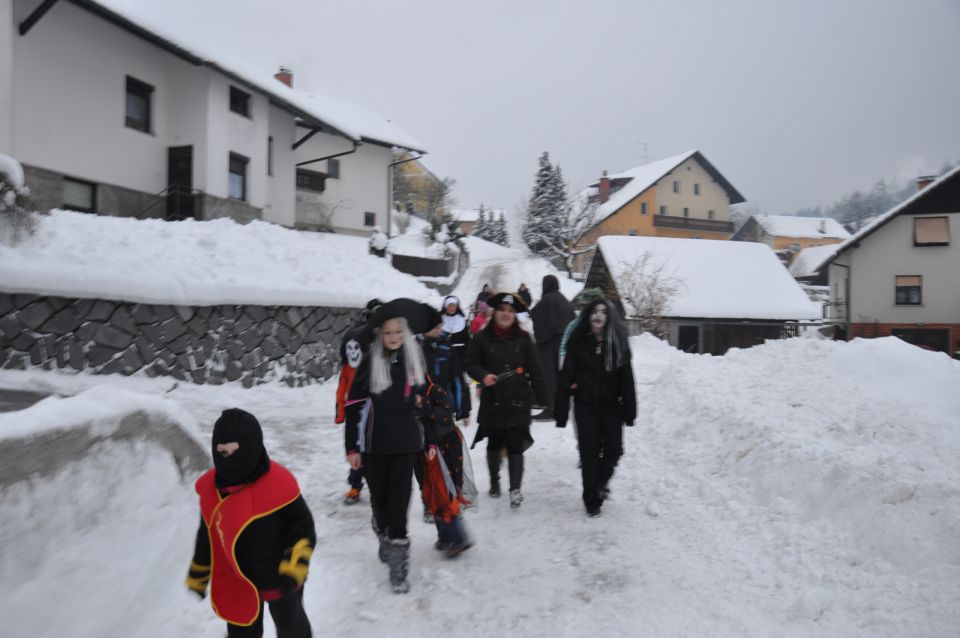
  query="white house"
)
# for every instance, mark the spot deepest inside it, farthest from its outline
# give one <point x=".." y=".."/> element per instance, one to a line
<point x="724" y="294"/>
<point x="112" y="109"/>
<point x="898" y="276"/>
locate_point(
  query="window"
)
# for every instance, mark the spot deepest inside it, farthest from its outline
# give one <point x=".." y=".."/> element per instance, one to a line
<point x="663" y="210"/>
<point x="909" y="290"/>
<point x="676" y="186"/>
<point x="369" y="219"/>
<point x="270" y="155"/>
<point x="79" y="195"/>
<point x="931" y="231"/>
<point x="333" y="168"/>
<point x="686" y="212"/>
<point x="696" y="189"/>
<point x="138" y="107"/>
<point x="643" y="208"/>
<point x="237" y="185"/>
<point x="711" y="214"/>
<point x="239" y="101"/>
<point x="632" y="233"/>
<point x="795" y="247"/>
<point x="311" y="181"/>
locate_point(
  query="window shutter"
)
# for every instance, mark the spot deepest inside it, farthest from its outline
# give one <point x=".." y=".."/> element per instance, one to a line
<point x="908" y="280"/>
<point x="931" y="230"/>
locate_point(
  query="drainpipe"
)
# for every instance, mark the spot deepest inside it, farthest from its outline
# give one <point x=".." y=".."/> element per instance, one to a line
<point x="390" y="171"/>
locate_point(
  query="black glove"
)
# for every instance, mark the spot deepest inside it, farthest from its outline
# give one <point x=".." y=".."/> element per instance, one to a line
<point x="561" y="423"/>
<point x="198" y="578"/>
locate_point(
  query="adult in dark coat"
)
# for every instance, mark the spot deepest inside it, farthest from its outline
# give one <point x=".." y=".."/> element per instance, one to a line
<point x="550" y="318"/>
<point x="524" y="293"/>
<point x="504" y="359"/>
<point x="597" y="372"/>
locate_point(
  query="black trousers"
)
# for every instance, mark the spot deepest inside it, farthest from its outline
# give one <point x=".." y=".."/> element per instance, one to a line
<point x="389" y="477"/>
<point x="600" y="437"/>
<point x="288" y="616"/>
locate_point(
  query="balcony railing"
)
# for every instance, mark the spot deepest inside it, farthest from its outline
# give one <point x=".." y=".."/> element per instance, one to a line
<point x="692" y="223"/>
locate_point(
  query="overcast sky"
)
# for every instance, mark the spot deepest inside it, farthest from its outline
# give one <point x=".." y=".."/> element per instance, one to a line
<point x="796" y="103"/>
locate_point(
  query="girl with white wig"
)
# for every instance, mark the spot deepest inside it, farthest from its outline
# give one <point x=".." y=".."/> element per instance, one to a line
<point x="383" y="433"/>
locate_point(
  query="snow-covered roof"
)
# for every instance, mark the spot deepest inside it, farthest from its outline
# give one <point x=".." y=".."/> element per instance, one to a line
<point x="643" y="177"/>
<point x="805" y="227"/>
<point x="473" y="214"/>
<point x="890" y="214"/>
<point x="807" y="262"/>
<point x="719" y="279"/>
<point x="185" y="38"/>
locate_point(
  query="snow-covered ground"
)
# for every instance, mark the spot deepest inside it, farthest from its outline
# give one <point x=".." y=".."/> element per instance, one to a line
<point x="801" y="488"/>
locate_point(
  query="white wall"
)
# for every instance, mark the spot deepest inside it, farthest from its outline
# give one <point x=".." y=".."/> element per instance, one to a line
<point x="281" y="201"/>
<point x="363" y="185"/>
<point x="7" y="31"/>
<point x="889" y="252"/>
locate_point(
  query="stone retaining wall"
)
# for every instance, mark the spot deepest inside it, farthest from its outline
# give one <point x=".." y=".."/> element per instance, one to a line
<point x="203" y="344"/>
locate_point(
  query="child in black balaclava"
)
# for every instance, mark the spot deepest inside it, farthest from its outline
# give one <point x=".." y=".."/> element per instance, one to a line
<point x="263" y="534"/>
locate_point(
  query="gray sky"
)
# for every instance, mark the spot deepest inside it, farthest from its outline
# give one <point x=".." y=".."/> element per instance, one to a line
<point x="796" y="103"/>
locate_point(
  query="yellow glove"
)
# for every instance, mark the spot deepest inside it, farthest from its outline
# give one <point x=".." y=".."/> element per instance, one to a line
<point x="296" y="561"/>
<point x="198" y="578"/>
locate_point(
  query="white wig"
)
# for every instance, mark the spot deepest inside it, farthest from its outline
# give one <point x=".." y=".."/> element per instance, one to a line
<point x="380" y="360"/>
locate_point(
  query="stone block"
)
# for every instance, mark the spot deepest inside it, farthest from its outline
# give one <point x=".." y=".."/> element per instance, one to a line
<point x="131" y="360"/>
<point x="6" y="304"/>
<point x="293" y="317"/>
<point x="172" y="328"/>
<point x="198" y="376"/>
<point x="235" y="349"/>
<point x="99" y="355"/>
<point x="205" y="312"/>
<point x="21" y="300"/>
<point x="215" y="378"/>
<point x="340" y="323"/>
<point x="87" y="331"/>
<point x="252" y="359"/>
<point x="35" y="315"/>
<point x="152" y="333"/>
<point x="179" y="345"/>
<point x="250" y="339"/>
<point x="229" y="312"/>
<point x="185" y="312"/>
<point x="101" y="310"/>
<point x="58" y="303"/>
<point x="271" y="348"/>
<point x="16" y="361"/>
<point x="197" y="327"/>
<point x="233" y="371"/>
<point x="63" y="322"/>
<point x="77" y="356"/>
<point x="123" y="320"/>
<point x="208" y="345"/>
<point x="109" y="336"/>
<point x="270" y="326"/>
<point x="145" y="349"/>
<point x="83" y="306"/>
<point x="249" y="381"/>
<point x="145" y="314"/>
<point x="164" y="313"/>
<point x="24" y="341"/>
<point x="257" y="313"/>
<point x="185" y="362"/>
<point x="177" y="373"/>
<point x="10" y="327"/>
<point x="62" y="349"/>
<point x="325" y="322"/>
<point x="38" y="353"/>
<point x="243" y="323"/>
<point x="284" y="335"/>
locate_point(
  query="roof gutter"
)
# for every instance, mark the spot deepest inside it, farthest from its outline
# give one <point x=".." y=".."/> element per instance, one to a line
<point x="356" y="145"/>
<point x="35" y="17"/>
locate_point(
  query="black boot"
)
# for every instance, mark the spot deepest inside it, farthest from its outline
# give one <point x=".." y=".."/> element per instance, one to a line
<point x="398" y="559"/>
<point x="515" y="468"/>
<point x="381" y="538"/>
<point x="493" y="464"/>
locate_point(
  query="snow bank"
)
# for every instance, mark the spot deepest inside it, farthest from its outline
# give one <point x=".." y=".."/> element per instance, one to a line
<point x="12" y="169"/>
<point x="199" y="263"/>
<point x="844" y="454"/>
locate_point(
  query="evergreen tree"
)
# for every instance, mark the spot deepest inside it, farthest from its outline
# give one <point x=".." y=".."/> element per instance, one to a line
<point x="547" y="209"/>
<point x="483" y="229"/>
<point x="501" y="236"/>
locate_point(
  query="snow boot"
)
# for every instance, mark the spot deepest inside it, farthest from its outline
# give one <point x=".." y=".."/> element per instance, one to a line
<point x="427" y="515"/>
<point x="493" y="464"/>
<point x="515" y="468"/>
<point x="453" y="537"/>
<point x="516" y="498"/>
<point x="398" y="559"/>
<point x="352" y="497"/>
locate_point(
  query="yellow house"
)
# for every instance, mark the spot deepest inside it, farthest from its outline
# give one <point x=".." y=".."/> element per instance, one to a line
<point x="682" y="196"/>
<point x="788" y="235"/>
<point x="414" y="185"/>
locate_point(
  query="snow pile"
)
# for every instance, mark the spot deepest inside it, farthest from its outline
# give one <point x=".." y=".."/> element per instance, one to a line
<point x="13" y="171"/>
<point x="835" y="461"/>
<point x="198" y="263"/>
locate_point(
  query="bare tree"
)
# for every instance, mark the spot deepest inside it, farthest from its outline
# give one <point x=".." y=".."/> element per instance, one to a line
<point x="17" y="217"/>
<point x="319" y="215"/>
<point x="646" y="289"/>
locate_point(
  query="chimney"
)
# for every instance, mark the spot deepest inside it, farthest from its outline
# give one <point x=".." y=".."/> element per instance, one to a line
<point x="285" y="75"/>
<point x="924" y="181"/>
<point x="823" y="227"/>
<point x="604" y="188"/>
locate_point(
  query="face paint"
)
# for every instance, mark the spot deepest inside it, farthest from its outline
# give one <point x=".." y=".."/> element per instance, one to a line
<point x="598" y="317"/>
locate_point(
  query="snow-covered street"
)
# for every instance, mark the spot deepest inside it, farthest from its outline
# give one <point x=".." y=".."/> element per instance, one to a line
<point x="798" y="488"/>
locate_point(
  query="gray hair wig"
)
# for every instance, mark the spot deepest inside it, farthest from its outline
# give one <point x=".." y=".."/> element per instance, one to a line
<point x="380" y="360"/>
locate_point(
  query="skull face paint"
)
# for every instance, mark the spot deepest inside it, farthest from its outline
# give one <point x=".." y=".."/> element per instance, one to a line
<point x="354" y="353"/>
<point x="598" y="317"/>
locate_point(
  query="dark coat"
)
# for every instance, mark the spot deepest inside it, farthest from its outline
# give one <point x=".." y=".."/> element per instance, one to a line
<point x="261" y="545"/>
<point x="391" y="425"/>
<point x="553" y="313"/>
<point x="444" y="359"/>
<point x="585" y="377"/>
<point x="506" y="403"/>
